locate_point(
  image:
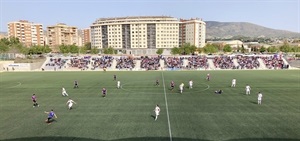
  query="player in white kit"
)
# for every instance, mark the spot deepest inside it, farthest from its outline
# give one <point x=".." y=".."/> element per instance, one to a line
<point x="118" y="84"/>
<point x="181" y="87"/>
<point x="70" y="103"/>
<point x="233" y="83"/>
<point x="64" y="92"/>
<point x="248" y="88"/>
<point x="259" y="98"/>
<point x="191" y="84"/>
<point x="156" y="110"/>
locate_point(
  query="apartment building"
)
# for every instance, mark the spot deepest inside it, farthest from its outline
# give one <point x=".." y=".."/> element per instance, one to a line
<point x="146" y="32"/>
<point x="62" y="34"/>
<point x="28" y="33"/>
<point x="85" y="36"/>
<point x="192" y="31"/>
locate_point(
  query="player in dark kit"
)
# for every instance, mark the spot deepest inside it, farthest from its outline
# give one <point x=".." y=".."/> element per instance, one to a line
<point x="51" y="115"/>
<point x="115" y="77"/>
<point x="218" y="91"/>
<point x="33" y="98"/>
<point x="76" y="84"/>
<point x="157" y="82"/>
<point x="172" y="84"/>
<point x="103" y="92"/>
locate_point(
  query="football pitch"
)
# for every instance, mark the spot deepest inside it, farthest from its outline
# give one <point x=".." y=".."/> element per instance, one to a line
<point x="126" y="114"/>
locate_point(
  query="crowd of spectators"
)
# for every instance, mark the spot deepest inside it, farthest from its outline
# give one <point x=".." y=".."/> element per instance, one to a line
<point x="56" y="63"/>
<point x="174" y="62"/>
<point x="80" y="63"/>
<point x="102" y="62"/>
<point x="150" y="63"/>
<point x="197" y="62"/>
<point x="153" y="62"/>
<point x="273" y="62"/>
<point x="248" y="62"/>
<point x="125" y="62"/>
<point x="224" y="62"/>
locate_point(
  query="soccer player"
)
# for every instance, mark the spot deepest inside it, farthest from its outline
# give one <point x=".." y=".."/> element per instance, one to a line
<point x="33" y="98"/>
<point x="64" y="92"/>
<point x="70" y="103"/>
<point x="156" y="110"/>
<point x="259" y="98"/>
<point x="172" y="84"/>
<point x="191" y="84"/>
<point x="156" y="82"/>
<point x="181" y="87"/>
<point x="51" y="115"/>
<point x="248" y="88"/>
<point x="118" y="84"/>
<point x="76" y="84"/>
<point x="115" y="77"/>
<point x="208" y="77"/>
<point x="233" y="82"/>
<point x="218" y="92"/>
<point x="104" y="92"/>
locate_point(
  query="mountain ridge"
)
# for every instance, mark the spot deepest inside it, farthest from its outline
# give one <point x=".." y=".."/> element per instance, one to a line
<point x="216" y="29"/>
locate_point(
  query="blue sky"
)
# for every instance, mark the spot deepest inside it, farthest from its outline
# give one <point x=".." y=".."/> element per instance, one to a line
<point x="277" y="14"/>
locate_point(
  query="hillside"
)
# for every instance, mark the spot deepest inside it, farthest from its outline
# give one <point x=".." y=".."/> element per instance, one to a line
<point x="229" y="29"/>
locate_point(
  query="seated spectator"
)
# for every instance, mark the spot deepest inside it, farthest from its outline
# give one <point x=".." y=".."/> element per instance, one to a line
<point x="248" y="62"/>
<point x="102" y="62"/>
<point x="197" y="62"/>
<point x="223" y="62"/>
<point x="125" y="63"/>
<point x="150" y="63"/>
<point x="174" y="62"/>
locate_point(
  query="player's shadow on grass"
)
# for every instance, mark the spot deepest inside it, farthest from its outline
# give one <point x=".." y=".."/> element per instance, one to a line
<point x="253" y="102"/>
<point x="152" y="116"/>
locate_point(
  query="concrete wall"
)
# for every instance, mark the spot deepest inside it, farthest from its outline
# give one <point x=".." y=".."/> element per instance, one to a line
<point x="9" y="65"/>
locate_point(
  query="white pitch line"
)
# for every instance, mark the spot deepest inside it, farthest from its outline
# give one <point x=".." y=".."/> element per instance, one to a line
<point x="170" y="132"/>
<point x="16" y="85"/>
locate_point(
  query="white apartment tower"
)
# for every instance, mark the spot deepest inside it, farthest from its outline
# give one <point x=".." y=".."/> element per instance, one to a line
<point x="146" y="32"/>
<point x="193" y="32"/>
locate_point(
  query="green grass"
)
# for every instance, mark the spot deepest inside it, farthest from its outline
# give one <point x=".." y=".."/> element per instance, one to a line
<point x="125" y="114"/>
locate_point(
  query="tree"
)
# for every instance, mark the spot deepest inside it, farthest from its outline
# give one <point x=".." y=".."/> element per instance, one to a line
<point x="209" y="48"/>
<point x="83" y="50"/>
<point x="3" y="47"/>
<point x="262" y="49"/>
<point x="295" y="49"/>
<point x="73" y="49"/>
<point x="36" y="50"/>
<point x="109" y="50"/>
<point x="285" y="48"/>
<point x="272" y="49"/>
<point x="94" y="51"/>
<point x="88" y="45"/>
<point x="175" y="51"/>
<point x="63" y="49"/>
<point x="160" y="51"/>
<point x="69" y="48"/>
<point x="227" y="48"/>
<point x="189" y="49"/>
